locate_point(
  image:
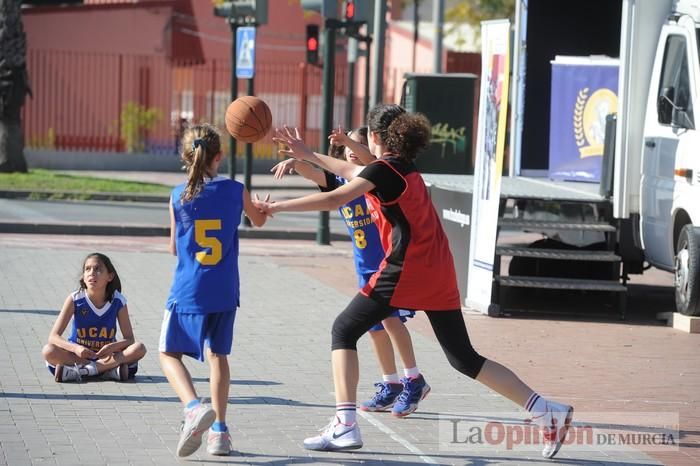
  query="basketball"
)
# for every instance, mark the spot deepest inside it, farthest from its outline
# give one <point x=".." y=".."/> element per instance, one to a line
<point x="248" y="119"/>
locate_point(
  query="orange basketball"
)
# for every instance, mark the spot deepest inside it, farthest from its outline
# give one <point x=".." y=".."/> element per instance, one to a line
<point x="248" y="119"/>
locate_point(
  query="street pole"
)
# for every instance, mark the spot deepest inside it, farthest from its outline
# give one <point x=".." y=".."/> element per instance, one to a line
<point x="378" y="62"/>
<point x="368" y="76"/>
<point x="438" y="13"/>
<point x="248" y="161"/>
<point x="352" y="59"/>
<point x="416" y="5"/>
<point x="323" y="234"/>
<point x="234" y="96"/>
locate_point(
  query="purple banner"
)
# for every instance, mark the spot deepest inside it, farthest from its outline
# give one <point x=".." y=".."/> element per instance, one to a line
<point x="584" y="92"/>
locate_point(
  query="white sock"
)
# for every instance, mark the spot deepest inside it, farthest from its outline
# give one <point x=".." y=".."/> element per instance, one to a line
<point x="346" y="412"/>
<point x="90" y="367"/>
<point x="391" y="378"/>
<point x="536" y="404"/>
<point x="411" y="372"/>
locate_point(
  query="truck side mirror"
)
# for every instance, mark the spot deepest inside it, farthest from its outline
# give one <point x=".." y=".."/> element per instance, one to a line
<point x="664" y="105"/>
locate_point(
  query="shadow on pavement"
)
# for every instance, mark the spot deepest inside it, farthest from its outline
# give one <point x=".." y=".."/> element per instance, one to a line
<point x="162" y="379"/>
<point x="235" y="400"/>
<point x="44" y="312"/>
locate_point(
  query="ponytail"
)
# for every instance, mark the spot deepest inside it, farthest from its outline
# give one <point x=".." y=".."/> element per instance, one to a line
<point x="200" y="145"/>
<point x="407" y="135"/>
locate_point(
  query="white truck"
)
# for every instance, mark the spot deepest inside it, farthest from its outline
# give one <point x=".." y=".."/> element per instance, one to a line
<point x="654" y="191"/>
<point x="646" y="210"/>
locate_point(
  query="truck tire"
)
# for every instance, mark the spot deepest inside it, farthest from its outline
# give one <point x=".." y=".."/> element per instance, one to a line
<point x="687" y="271"/>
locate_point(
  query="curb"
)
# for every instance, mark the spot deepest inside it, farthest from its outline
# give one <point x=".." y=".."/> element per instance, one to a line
<point x="81" y="196"/>
<point x="117" y="197"/>
<point x="150" y="230"/>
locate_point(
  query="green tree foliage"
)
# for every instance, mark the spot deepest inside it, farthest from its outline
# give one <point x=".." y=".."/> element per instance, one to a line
<point x="136" y="121"/>
<point x="473" y="12"/>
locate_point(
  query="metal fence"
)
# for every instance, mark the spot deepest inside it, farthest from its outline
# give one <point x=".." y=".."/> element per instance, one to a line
<point x="125" y="103"/>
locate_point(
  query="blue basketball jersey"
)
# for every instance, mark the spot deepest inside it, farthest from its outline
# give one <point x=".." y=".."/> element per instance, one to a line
<point x="95" y="327"/>
<point x="366" y="244"/>
<point x="206" y="239"/>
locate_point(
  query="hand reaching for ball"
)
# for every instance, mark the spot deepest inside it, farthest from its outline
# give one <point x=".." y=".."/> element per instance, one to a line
<point x="265" y="206"/>
<point x="294" y="145"/>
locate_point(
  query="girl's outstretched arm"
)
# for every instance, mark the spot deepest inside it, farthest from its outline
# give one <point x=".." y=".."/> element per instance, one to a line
<point x="320" y="201"/>
<point x="256" y="216"/>
<point x="56" y="333"/>
<point x="305" y="169"/>
<point x="299" y="150"/>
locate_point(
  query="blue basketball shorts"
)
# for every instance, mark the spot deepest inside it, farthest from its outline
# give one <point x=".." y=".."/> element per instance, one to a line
<point x="190" y="334"/>
<point x="402" y="314"/>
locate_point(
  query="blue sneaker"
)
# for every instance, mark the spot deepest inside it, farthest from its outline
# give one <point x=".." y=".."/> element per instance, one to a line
<point x="384" y="398"/>
<point x="414" y="390"/>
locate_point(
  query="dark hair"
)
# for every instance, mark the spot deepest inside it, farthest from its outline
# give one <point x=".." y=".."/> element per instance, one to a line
<point x="362" y="132"/>
<point x="200" y="144"/>
<point x="114" y="285"/>
<point x="338" y="152"/>
<point x="380" y="117"/>
<point x="402" y="133"/>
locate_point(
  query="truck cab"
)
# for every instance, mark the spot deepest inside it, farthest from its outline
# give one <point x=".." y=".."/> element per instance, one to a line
<point x="669" y="194"/>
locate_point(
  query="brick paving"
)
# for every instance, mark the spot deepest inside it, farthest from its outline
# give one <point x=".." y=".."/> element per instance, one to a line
<point x="281" y="390"/>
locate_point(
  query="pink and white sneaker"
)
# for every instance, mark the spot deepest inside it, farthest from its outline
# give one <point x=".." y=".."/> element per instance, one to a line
<point x="219" y="443"/>
<point x="197" y="421"/>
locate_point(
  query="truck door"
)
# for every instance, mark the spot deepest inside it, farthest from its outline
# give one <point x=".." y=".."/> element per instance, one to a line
<point x="669" y="131"/>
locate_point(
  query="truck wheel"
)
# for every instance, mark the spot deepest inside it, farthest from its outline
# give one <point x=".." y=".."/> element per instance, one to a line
<point x="687" y="271"/>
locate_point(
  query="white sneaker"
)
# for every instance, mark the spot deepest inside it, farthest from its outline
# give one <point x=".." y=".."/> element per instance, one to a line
<point x="219" y="443"/>
<point x="336" y="436"/>
<point x="119" y="373"/>
<point x="197" y="421"/>
<point x="555" y="423"/>
<point x="66" y="373"/>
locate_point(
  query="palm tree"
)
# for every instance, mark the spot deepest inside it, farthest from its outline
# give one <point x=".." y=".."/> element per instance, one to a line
<point x="14" y="86"/>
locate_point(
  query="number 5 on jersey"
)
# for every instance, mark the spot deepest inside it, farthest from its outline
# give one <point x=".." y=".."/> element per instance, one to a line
<point x="201" y="228"/>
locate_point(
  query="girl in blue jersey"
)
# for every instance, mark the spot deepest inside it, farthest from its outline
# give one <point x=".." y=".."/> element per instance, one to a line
<point x="401" y="396"/>
<point x="92" y="348"/>
<point x="205" y="213"/>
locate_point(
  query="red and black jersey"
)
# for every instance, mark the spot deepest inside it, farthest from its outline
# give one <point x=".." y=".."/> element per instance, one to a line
<point x="418" y="270"/>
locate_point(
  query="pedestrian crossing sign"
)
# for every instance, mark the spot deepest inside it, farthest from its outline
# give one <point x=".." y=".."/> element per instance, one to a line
<point x="245" y="52"/>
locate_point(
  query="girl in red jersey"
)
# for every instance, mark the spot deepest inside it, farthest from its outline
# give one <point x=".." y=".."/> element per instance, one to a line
<point x="417" y="273"/>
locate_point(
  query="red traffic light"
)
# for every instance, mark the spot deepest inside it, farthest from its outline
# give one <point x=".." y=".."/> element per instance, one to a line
<point x="349" y="10"/>
<point x="312" y="44"/>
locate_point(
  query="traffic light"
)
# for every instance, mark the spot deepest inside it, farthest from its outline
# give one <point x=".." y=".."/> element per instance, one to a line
<point x="349" y="10"/>
<point x="312" y="43"/>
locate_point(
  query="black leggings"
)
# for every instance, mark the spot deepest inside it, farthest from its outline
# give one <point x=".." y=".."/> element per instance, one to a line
<point x="363" y="313"/>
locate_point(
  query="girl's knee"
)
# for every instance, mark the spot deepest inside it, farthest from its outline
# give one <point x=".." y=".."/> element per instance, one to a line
<point x="139" y="349"/>
<point x="341" y="336"/>
<point x="469" y="366"/>
<point x="48" y="350"/>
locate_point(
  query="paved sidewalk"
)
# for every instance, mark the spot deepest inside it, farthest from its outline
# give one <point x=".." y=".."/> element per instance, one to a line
<point x="281" y="390"/>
